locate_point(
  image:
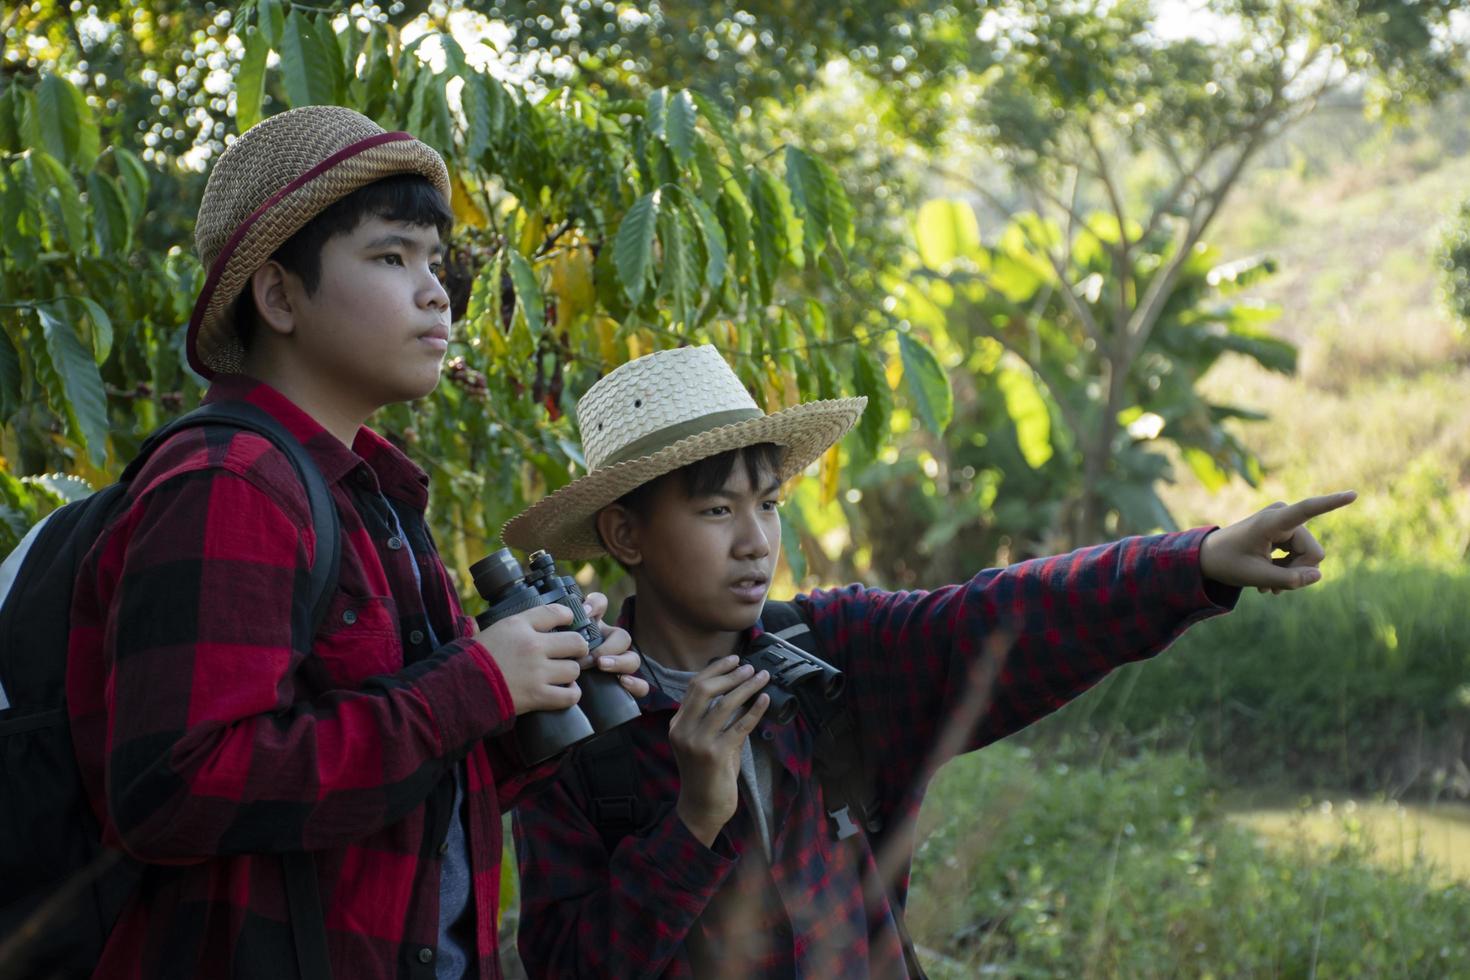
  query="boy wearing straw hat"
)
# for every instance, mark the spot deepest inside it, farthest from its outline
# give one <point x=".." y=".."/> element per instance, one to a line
<point x="222" y="738"/>
<point x="728" y="860"/>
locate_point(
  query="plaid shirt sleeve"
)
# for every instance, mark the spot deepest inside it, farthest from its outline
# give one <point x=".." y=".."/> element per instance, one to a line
<point x="936" y="673"/>
<point x="210" y="748"/>
<point x="622" y="915"/>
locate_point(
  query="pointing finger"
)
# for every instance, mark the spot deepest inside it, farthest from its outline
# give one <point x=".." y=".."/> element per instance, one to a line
<point x="1304" y="510"/>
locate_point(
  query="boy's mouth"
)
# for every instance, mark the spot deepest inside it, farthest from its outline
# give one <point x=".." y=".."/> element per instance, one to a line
<point x="437" y="337"/>
<point x="750" y="588"/>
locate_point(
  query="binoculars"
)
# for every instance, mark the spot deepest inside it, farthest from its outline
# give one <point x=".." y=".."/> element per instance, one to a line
<point x="604" y="705"/>
<point x="795" y="676"/>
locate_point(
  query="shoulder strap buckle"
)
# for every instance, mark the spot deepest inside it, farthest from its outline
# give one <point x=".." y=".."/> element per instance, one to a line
<point x="842" y="822"/>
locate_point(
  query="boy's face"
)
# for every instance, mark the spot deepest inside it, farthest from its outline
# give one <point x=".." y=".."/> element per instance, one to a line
<point x="377" y="327"/>
<point x="709" y="558"/>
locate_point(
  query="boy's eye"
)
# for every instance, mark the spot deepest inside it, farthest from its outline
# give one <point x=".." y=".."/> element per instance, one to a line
<point x="717" y="511"/>
<point x="771" y="504"/>
<point x="392" y="258"/>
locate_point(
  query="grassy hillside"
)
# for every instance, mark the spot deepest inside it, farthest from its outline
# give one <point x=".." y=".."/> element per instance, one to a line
<point x="1353" y="214"/>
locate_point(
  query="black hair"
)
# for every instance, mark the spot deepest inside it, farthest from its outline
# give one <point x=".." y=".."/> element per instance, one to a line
<point x="402" y="197"/>
<point x="762" y="462"/>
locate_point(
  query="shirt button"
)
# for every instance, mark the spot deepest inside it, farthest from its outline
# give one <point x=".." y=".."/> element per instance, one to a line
<point x="767" y="734"/>
<point x="426" y="955"/>
<point x="349" y="617"/>
<point x="394" y="543"/>
<point x="416" y="637"/>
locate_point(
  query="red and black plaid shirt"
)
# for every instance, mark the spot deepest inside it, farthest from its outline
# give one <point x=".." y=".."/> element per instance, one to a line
<point x="987" y="658"/>
<point x="213" y="733"/>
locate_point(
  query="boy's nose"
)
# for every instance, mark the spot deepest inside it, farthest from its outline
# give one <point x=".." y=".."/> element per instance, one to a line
<point x="434" y="295"/>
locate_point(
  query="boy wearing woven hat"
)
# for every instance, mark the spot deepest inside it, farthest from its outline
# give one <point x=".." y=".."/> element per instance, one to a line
<point x="724" y="857"/>
<point x="221" y="736"/>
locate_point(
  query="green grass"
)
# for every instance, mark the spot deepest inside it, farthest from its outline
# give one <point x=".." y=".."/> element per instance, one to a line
<point x="1034" y="867"/>
<point x="1359" y="683"/>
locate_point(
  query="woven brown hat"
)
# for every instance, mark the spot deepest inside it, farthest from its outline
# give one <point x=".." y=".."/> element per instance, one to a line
<point x="658" y="413"/>
<point x="276" y="177"/>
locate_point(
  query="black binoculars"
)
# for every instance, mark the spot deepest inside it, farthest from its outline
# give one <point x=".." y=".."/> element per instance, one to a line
<point x="795" y="675"/>
<point x="604" y="705"/>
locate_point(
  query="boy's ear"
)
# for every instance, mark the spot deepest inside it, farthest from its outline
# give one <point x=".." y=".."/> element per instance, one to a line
<point x="619" y="529"/>
<point x="272" y="300"/>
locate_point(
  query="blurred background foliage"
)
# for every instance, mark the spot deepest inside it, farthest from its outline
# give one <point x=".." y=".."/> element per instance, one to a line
<point x="1100" y="268"/>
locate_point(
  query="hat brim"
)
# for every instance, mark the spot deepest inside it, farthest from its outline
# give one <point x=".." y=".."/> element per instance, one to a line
<point x="563" y="522"/>
<point x="212" y="344"/>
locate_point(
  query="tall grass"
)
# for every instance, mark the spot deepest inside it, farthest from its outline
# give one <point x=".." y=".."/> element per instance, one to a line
<point x="1359" y="683"/>
<point x="1039" y="869"/>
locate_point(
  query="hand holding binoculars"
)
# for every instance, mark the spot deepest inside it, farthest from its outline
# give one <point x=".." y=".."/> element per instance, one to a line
<point x="604" y="704"/>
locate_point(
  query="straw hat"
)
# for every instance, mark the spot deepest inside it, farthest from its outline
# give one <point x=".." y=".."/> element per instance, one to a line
<point x="658" y="413"/>
<point x="270" y="182"/>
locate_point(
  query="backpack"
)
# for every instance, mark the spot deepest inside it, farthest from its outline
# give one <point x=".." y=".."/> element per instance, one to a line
<point x="604" y="766"/>
<point x="63" y="890"/>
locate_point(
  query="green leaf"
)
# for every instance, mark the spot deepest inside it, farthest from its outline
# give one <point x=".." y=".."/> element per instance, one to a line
<point x="528" y="292"/>
<point x="73" y="215"/>
<point x="678" y="277"/>
<point x="720" y="122"/>
<point x="1028" y="412"/>
<point x="56" y="114"/>
<point x="679" y="130"/>
<point x="271" y="21"/>
<point x="135" y="180"/>
<point x="946" y="230"/>
<point x="1209" y="473"/>
<point x="809" y="197"/>
<point x="13" y="112"/>
<point x="11" y="379"/>
<point x="86" y="402"/>
<point x="839" y="207"/>
<point x="112" y="228"/>
<point x="307" y="73"/>
<point x="927" y="383"/>
<point x="714" y="242"/>
<point x="868" y="379"/>
<point x="250" y="81"/>
<point x="101" y="327"/>
<point x="633" y="247"/>
<point x="476" y="103"/>
<point x="791" y="546"/>
<point x="776" y="229"/>
<point x="331" y="55"/>
<point x="710" y="177"/>
<point x="654" y="112"/>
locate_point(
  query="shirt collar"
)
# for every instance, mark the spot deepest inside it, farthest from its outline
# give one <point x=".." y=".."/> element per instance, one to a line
<point x="376" y="461"/>
<point x="656" y="699"/>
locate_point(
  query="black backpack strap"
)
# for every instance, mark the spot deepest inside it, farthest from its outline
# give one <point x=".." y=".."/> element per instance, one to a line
<point x="325" y="522"/>
<point x="303" y="899"/>
<point x="837" y="760"/>
<point x="606" y="767"/>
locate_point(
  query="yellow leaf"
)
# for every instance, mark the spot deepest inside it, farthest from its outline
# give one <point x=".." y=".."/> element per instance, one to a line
<point x="829" y="473"/>
<point x="571" y="283"/>
<point x="607" y="342"/>
<point x="639" y="343"/>
<point x="533" y="232"/>
<point x="466" y="211"/>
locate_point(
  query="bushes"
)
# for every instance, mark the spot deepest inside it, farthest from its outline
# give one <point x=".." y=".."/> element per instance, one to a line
<point x="1360" y="683"/>
<point x="1128" y="870"/>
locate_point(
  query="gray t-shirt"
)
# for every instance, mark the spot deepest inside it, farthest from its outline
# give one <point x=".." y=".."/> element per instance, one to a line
<point x="755" y="763"/>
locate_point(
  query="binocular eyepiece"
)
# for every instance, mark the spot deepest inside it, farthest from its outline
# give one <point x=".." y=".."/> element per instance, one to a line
<point x="604" y="705"/>
<point x="795" y="675"/>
